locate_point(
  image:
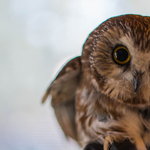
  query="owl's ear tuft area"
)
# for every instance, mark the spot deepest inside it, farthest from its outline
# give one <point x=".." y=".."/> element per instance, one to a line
<point x="63" y="88"/>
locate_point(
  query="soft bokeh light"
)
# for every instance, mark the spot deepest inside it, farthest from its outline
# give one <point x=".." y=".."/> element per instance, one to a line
<point x="37" y="37"/>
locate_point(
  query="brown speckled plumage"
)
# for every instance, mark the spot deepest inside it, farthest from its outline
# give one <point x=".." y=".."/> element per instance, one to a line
<point x="106" y="107"/>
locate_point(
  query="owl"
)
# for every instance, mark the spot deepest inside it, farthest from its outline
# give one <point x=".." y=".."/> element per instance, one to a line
<point x="103" y="96"/>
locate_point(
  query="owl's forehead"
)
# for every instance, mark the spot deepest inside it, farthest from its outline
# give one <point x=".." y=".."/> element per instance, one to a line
<point x="133" y="29"/>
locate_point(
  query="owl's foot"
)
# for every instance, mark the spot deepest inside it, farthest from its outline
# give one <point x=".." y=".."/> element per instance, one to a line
<point x="94" y="146"/>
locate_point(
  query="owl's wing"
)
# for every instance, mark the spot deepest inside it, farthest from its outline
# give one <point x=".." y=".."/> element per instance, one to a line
<point x="63" y="90"/>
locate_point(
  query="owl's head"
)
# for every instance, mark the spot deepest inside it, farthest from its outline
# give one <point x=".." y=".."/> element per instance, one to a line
<point x="118" y="52"/>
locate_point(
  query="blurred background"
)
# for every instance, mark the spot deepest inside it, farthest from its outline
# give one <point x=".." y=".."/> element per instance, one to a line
<point x="36" y="38"/>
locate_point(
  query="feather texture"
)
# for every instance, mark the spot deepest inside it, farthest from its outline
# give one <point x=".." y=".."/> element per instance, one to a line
<point x="96" y="99"/>
<point x="62" y="90"/>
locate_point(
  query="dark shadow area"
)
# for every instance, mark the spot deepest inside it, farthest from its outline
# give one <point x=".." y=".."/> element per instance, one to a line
<point x="125" y="145"/>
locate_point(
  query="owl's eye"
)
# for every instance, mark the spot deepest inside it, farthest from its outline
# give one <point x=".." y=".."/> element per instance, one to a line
<point x="121" y="55"/>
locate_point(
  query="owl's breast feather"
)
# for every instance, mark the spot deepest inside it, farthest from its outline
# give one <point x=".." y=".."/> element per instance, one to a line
<point x="132" y="125"/>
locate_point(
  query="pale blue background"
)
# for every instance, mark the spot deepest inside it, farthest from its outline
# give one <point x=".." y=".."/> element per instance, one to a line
<point x="36" y="38"/>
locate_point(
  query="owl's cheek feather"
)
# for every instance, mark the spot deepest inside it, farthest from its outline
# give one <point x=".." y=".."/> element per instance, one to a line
<point x="118" y="90"/>
<point x="124" y="91"/>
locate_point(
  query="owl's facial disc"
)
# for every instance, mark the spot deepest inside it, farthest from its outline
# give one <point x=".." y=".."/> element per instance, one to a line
<point x="120" y="59"/>
<point x="124" y="70"/>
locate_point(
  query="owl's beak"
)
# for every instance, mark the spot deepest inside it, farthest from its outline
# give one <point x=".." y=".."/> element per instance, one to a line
<point x="136" y="83"/>
<point x="136" y="80"/>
